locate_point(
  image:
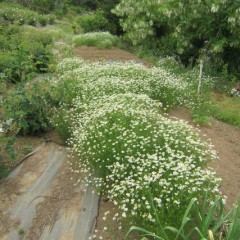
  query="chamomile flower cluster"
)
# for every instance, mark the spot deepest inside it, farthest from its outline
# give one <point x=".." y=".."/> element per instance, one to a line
<point x="149" y="165"/>
<point x="87" y="79"/>
<point x="144" y="162"/>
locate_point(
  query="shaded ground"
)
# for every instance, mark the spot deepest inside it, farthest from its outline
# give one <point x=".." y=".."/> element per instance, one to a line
<point x="226" y="140"/>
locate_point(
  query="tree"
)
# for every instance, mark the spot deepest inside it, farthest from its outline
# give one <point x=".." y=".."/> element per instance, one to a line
<point x="183" y="27"/>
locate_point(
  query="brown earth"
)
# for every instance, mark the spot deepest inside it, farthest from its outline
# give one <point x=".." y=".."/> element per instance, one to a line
<point x="114" y="54"/>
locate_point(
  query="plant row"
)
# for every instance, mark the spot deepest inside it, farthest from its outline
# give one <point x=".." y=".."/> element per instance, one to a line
<point x="150" y="166"/>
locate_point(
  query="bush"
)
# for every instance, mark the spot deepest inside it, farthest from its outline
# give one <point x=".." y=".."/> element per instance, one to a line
<point x="94" y="79"/>
<point x="29" y="107"/>
<point x="148" y="165"/>
<point x="43" y="20"/>
<point x="16" y="13"/>
<point x="98" y="39"/>
<point x="47" y="6"/>
<point x="103" y="12"/>
<point x="93" y="22"/>
<point x="23" y="53"/>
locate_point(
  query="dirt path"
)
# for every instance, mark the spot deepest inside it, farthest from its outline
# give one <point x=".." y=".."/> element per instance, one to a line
<point x="114" y="54"/>
<point x="226" y="140"/>
<point x="39" y="200"/>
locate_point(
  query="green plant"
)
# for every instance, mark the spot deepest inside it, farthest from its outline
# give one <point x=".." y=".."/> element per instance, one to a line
<point x="43" y="21"/>
<point x="16" y="13"/>
<point x="7" y="152"/>
<point x="93" y="22"/>
<point x="88" y="80"/>
<point x="20" y="231"/>
<point x="226" y="109"/>
<point x="188" y="29"/>
<point x="23" y="54"/>
<point x="144" y="162"/>
<point x="102" y="13"/>
<point x="27" y="149"/>
<point x="29" y="106"/>
<point x="202" y="220"/>
<point x="97" y="39"/>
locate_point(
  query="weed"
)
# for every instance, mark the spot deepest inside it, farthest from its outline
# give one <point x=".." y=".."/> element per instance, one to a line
<point x="20" y="231"/>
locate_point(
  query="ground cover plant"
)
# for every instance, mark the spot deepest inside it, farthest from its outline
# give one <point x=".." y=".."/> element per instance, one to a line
<point x="226" y="109"/>
<point x="156" y="82"/>
<point x="102" y="40"/>
<point x="146" y="164"/>
<point x="90" y="80"/>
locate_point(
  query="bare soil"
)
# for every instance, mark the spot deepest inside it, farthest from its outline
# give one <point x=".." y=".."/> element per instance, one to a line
<point x="63" y="196"/>
<point x="114" y="54"/>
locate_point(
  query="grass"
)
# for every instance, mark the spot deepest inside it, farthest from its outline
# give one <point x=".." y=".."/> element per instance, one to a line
<point x="201" y="221"/>
<point x="227" y="109"/>
<point x="102" y="40"/>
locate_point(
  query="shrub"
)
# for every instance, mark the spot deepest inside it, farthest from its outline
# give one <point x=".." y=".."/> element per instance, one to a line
<point x="97" y="39"/>
<point x="43" y="20"/>
<point x="23" y="54"/>
<point x="46" y="6"/>
<point x="16" y="13"/>
<point x="93" y="22"/>
<point x="103" y="8"/>
<point x="148" y="165"/>
<point x="28" y="107"/>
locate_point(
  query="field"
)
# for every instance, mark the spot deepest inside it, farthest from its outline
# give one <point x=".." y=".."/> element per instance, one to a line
<point x="163" y="159"/>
